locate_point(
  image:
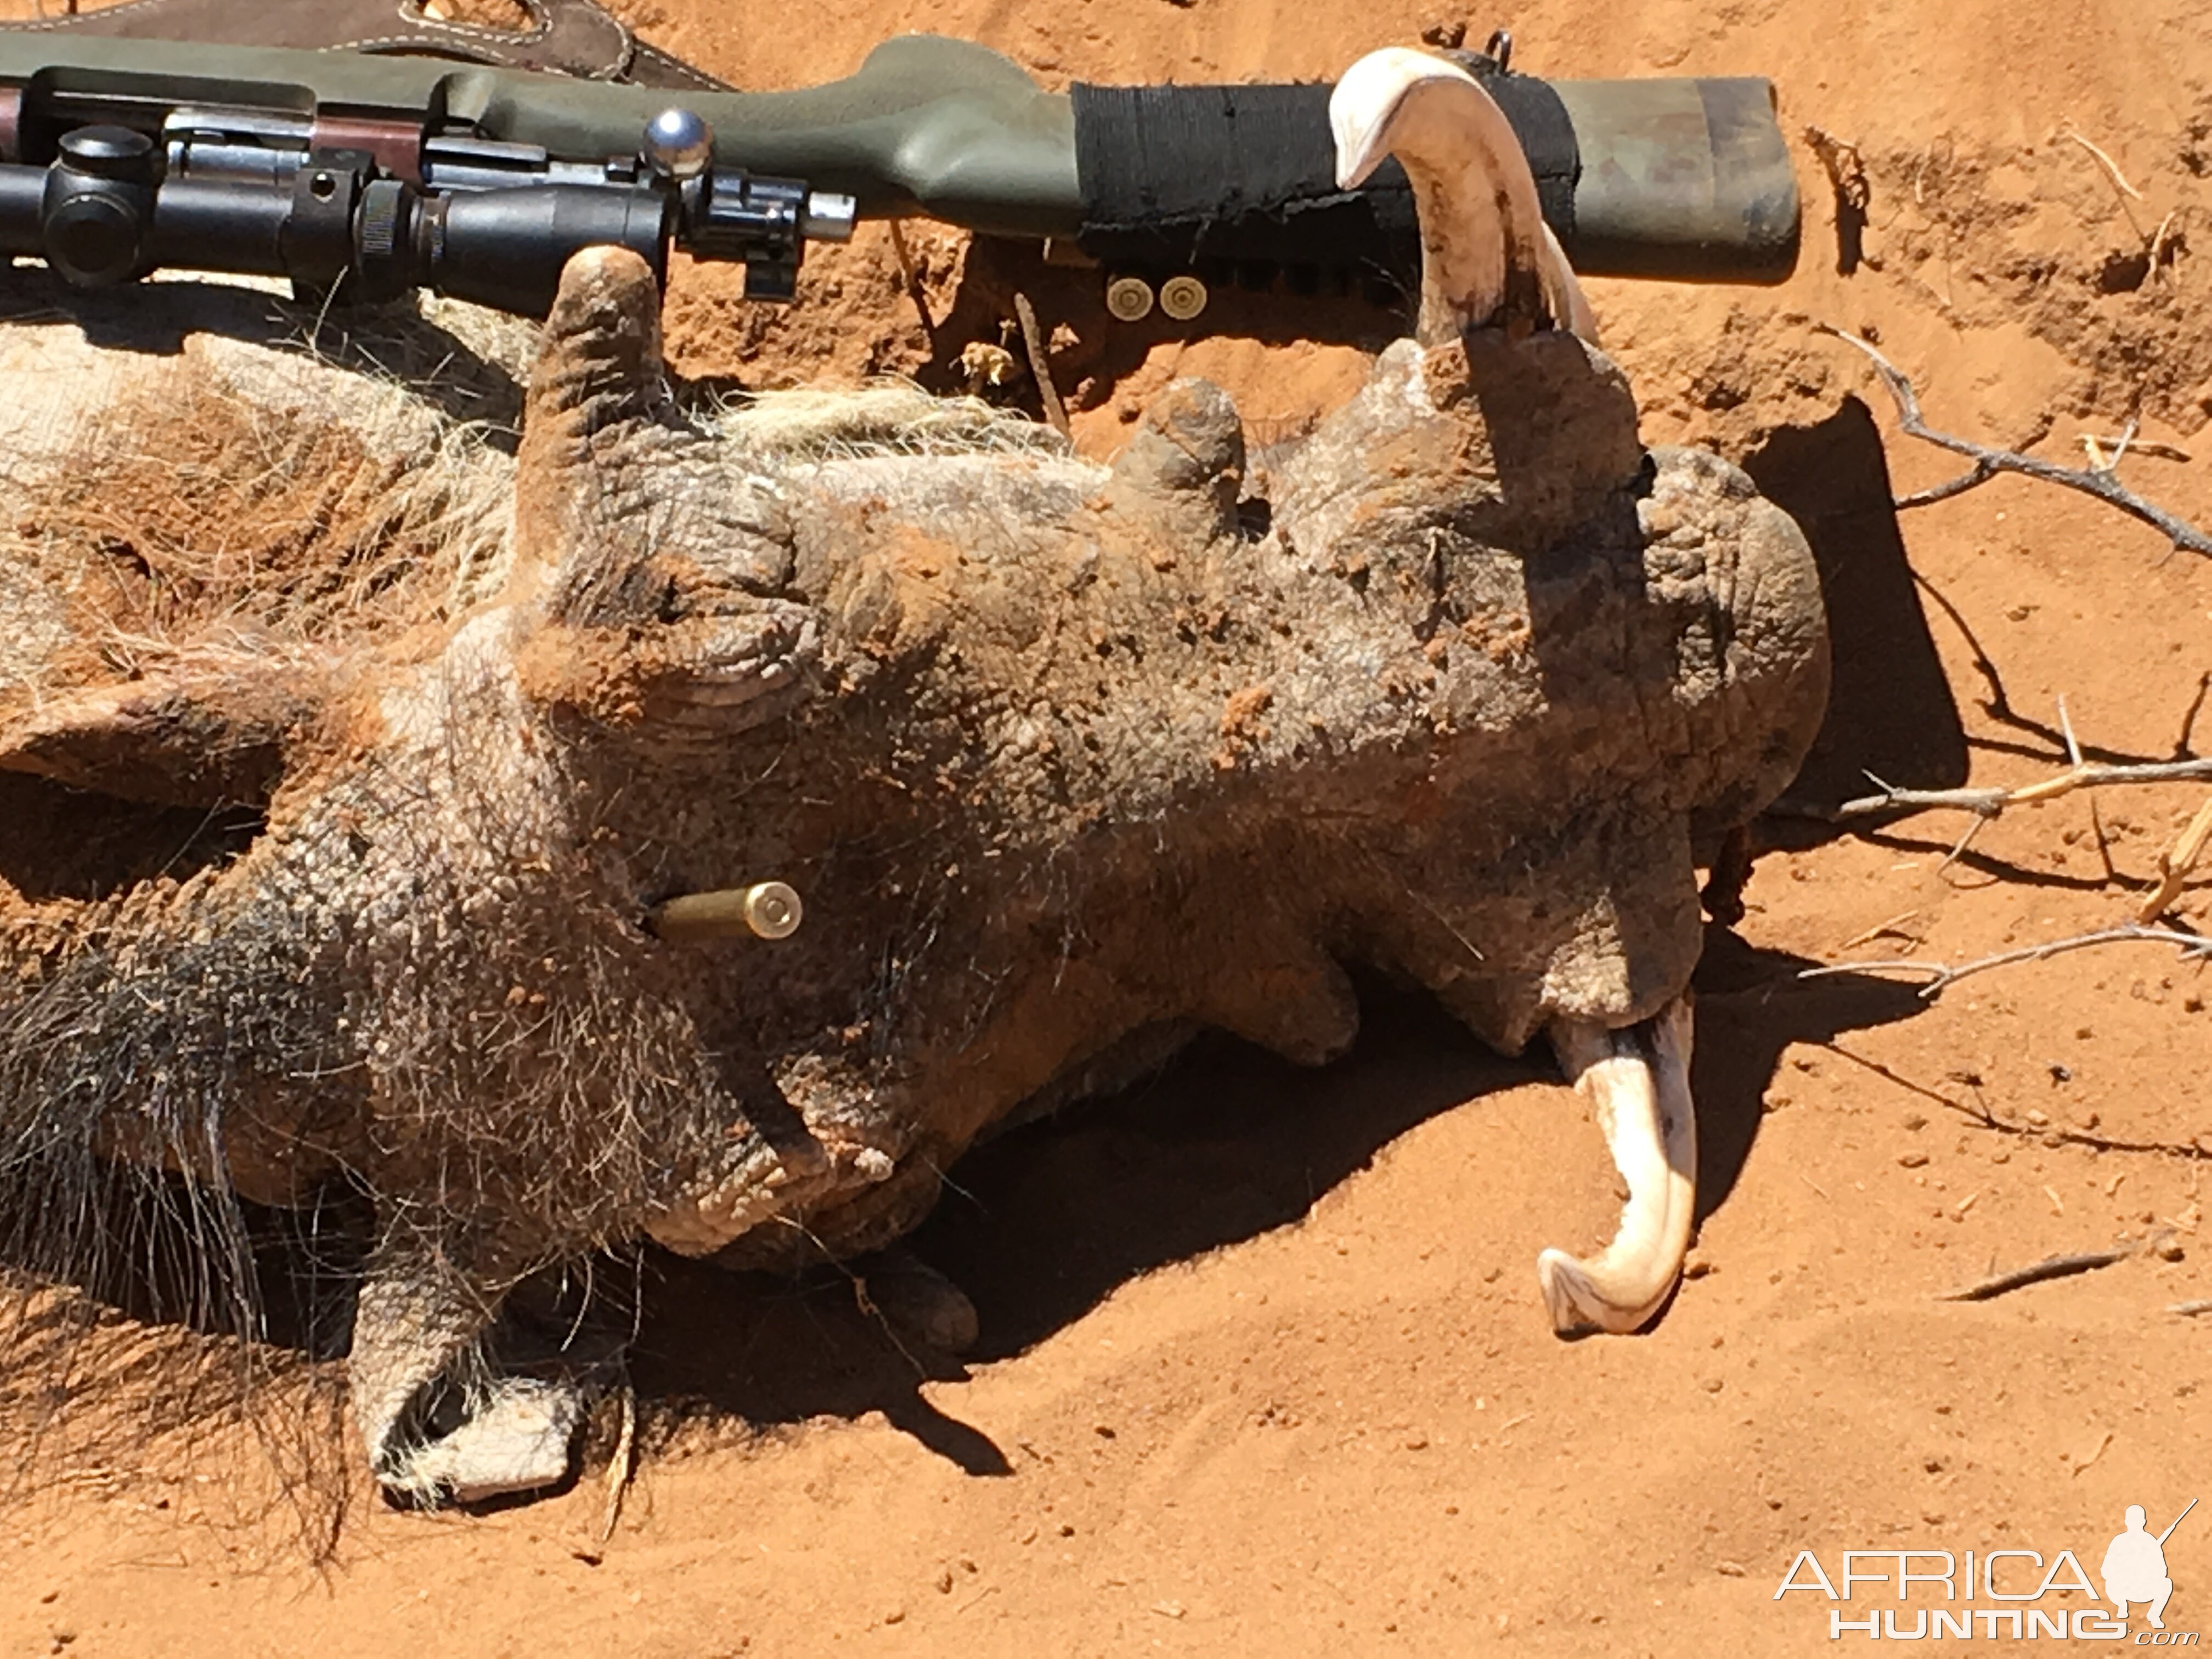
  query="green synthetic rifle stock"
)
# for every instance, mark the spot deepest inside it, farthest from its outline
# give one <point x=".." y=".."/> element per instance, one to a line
<point x="118" y="156"/>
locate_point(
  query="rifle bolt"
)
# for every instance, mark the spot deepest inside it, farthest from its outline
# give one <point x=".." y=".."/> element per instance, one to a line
<point x="1182" y="297"/>
<point x="1129" y="299"/>
<point x="678" y="144"/>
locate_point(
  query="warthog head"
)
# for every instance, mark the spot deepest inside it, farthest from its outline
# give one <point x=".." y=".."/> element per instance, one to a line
<point x="1065" y="761"/>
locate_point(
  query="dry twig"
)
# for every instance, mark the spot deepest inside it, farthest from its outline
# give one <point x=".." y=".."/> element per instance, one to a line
<point x="1847" y="176"/>
<point x="2095" y="1451"/>
<point x="1033" y="338"/>
<point x="1982" y="1117"/>
<point x="1846" y="167"/>
<point x="1990" y="803"/>
<point x="912" y="277"/>
<point x="2175" y="865"/>
<point x="2053" y="1266"/>
<point x="1988" y="462"/>
<point x="1941" y="977"/>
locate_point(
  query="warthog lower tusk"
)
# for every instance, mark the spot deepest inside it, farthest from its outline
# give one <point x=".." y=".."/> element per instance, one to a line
<point x="1637" y="1080"/>
<point x="767" y="909"/>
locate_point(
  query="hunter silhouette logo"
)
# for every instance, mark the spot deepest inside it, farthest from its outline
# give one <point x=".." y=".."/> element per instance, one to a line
<point x="2133" y="1572"/>
<point x="2135" y="1567"/>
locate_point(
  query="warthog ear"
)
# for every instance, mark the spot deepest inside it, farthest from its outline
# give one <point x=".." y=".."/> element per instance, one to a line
<point x="204" y="730"/>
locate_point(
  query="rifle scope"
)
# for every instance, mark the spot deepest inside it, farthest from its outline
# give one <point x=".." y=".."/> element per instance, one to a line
<point x="484" y="221"/>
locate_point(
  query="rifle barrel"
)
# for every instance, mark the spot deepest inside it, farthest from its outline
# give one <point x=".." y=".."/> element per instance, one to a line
<point x="2177" y="1520"/>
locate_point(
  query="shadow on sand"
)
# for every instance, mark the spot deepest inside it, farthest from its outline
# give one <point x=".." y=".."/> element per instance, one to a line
<point x="1043" y="1225"/>
<point x="1891" y="711"/>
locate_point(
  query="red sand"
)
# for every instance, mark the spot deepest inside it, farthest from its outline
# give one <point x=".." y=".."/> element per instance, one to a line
<point x="1264" y="1368"/>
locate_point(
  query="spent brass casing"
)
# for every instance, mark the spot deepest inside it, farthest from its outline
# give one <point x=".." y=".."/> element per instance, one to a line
<point x="767" y="909"/>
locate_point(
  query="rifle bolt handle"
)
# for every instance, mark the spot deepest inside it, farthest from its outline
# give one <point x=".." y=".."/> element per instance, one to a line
<point x="678" y="144"/>
<point x="97" y="205"/>
<point x="116" y="153"/>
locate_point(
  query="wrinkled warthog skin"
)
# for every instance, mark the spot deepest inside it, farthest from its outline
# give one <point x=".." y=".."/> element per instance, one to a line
<point x="1066" y="760"/>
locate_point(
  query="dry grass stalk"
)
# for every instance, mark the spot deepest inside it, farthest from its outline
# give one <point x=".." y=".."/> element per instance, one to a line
<point x="2128" y="443"/>
<point x="623" y="1467"/>
<point x="2166" y="241"/>
<point x="2111" y="167"/>
<point x="1893" y="929"/>
<point x="2175" y="863"/>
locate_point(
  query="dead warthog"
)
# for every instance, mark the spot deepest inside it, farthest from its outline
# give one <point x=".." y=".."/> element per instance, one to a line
<point x="334" y="854"/>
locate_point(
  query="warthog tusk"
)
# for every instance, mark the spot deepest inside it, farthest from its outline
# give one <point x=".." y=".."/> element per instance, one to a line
<point x="1486" y="254"/>
<point x="767" y="909"/>
<point x="1637" y="1080"/>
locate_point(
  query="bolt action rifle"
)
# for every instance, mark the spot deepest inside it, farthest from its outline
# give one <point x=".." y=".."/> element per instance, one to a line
<point x="370" y="171"/>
